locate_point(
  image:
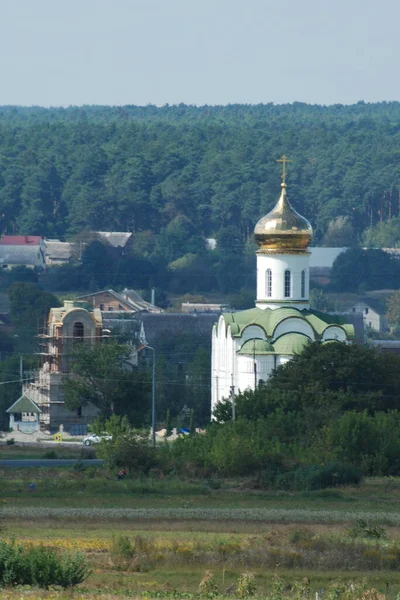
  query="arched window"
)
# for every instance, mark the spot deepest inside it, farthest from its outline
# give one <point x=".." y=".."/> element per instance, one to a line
<point x="303" y="284"/>
<point x="288" y="283"/>
<point x="78" y="332"/>
<point x="268" y="283"/>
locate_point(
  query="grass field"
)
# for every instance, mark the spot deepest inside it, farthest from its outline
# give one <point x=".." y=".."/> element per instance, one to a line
<point x="159" y="536"/>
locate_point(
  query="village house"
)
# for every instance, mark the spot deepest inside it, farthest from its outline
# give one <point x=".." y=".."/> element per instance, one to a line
<point x="127" y="301"/>
<point x="373" y="312"/>
<point x="22" y="251"/>
<point x="57" y="252"/>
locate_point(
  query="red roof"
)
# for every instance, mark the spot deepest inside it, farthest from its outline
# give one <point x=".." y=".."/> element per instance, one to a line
<point x="20" y="240"/>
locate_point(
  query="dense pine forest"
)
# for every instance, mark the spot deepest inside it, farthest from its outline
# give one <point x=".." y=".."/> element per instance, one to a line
<point x="140" y="168"/>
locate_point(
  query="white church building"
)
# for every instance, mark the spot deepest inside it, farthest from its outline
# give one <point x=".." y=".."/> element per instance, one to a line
<point x="248" y="345"/>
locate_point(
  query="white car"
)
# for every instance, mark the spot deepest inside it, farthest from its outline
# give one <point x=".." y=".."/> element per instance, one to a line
<point x="95" y="439"/>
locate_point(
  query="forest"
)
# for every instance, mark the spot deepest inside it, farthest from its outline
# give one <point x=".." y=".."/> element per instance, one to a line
<point x="149" y="169"/>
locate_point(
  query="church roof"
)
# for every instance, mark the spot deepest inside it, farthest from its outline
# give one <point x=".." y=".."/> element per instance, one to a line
<point x="24" y="405"/>
<point x="291" y="343"/>
<point x="257" y="346"/>
<point x="268" y="319"/>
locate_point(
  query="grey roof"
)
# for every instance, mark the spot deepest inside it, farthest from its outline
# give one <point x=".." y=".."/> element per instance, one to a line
<point x="138" y="302"/>
<point x="58" y="250"/>
<point x="375" y="304"/>
<point x="118" y="239"/>
<point x="161" y="324"/>
<point x="112" y="293"/>
<point x="129" y="298"/>
<point x="21" y="255"/>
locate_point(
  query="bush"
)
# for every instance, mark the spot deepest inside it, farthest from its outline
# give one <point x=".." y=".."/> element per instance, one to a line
<point x="40" y="566"/>
<point x="313" y="477"/>
<point x="50" y="454"/>
<point x="10" y="442"/>
<point x="122" y="547"/>
<point x="246" y="585"/>
<point x="207" y="584"/>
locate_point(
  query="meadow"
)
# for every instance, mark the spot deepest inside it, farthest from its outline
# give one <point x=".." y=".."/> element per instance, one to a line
<point x="161" y="537"/>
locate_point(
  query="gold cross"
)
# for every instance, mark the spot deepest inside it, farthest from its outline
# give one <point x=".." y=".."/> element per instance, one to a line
<point x="284" y="159"/>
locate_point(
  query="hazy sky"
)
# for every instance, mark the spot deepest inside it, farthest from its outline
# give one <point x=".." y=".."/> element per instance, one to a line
<point x="62" y="52"/>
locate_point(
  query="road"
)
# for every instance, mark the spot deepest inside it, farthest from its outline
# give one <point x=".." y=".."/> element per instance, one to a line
<point x="49" y="462"/>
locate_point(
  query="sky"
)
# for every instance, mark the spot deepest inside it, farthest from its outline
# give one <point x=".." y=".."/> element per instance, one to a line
<point x="115" y="52"/>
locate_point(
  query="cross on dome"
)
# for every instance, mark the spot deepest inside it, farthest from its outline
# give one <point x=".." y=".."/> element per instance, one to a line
<point x="284" y="160"/>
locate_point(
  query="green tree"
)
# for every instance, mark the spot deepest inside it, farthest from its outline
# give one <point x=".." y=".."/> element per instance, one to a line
<point x="385" y="234"/>
<point x="340" y="234"/>
<point x="393" y="309"/>
<point x="359" y="270"/>
<point x="322" y="382"/>
<point x="101" y="375"/>
<point x="127" y="448"/>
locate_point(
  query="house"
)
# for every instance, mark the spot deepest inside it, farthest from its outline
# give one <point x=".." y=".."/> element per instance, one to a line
<point x="57" y="252"/>
<point x="22" y="251"/>
<point x="373" y="312"/>
<point x="127" y="301"/>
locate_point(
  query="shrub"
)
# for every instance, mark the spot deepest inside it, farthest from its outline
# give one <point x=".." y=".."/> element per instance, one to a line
<point x="122" y="547"/>
<point x="41" y="566"/>
<point x="10" y="442"/>
<point x="246" y="585"/>
<point x="207" y="584"/>
<point x="314" y="477"/>
<point x="363" y="528"/>
<point x="50" y="454"/>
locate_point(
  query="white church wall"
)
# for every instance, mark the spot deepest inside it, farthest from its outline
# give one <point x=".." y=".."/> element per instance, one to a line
<point x="278" y="264"/>
<point x="294" y="325"/>
<point x="252" y="332"/>
<point x="334" y="333"/>
<point x="246" y="376"/>
<point x="283" y="359"/>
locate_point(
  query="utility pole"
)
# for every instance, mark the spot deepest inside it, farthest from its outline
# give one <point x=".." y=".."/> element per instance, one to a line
<point x="254" y="365"/>
<point x="233" y="400"/>
<point x="21" y="370"/>
<point x="153" y="398"/>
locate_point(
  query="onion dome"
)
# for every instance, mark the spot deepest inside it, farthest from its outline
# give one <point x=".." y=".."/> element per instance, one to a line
<point x="283" y="230"/>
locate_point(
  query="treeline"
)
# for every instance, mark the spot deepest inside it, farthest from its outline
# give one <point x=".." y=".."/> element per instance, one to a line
<point x="141" y="168"/>
<point x="333" y="404"/>
<point x="325" y="418"/>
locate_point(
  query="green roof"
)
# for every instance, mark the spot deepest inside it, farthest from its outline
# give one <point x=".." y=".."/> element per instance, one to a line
<point x="256" y="346"/>
<point x="291" y="343"/>
<point x="24" y="405"/>
<point x="269" y="319"/>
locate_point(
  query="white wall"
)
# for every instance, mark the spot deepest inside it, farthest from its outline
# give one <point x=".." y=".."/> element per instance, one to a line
<point x="294" y="325"/>
<point x="279" y="263"/>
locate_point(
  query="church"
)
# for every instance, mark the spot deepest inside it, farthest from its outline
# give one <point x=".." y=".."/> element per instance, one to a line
<point x="248" y="345"/>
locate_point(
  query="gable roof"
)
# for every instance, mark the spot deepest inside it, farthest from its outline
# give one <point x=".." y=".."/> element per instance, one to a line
<point x="269" y="319"/>
<point x="24" y="405"/>
<point x="58" y="250"/>
<point x="117" y="239"/>
<point x="375" y="304"/>
<point x="138" y="302"/>
<point x="116" y="296"/>
<point x="20" y="240"/>
<point x="21" y="255"/>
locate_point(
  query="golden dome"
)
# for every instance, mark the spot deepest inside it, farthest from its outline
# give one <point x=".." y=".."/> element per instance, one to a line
<point x="283" y="230"/>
